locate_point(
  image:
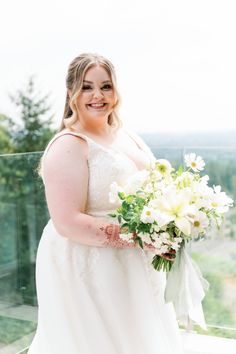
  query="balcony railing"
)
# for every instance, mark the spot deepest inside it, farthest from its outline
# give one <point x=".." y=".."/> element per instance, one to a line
<point x="23" y="215"/>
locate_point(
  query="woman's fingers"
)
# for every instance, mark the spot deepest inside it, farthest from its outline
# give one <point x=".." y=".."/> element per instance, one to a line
<point x="170" y="256"/>
<point x="172" y="251"/>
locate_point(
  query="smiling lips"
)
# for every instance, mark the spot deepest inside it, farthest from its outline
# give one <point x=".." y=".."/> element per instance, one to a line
<point x="97" y="105"/>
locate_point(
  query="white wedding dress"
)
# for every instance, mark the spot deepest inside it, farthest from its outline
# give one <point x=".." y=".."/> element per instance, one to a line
<point x="99" y="300"/>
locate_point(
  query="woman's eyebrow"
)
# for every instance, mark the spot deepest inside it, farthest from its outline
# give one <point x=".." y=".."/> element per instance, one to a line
<point x="90" y="82"/>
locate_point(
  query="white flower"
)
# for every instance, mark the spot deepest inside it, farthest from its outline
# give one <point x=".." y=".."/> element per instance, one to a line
<point x="162" y="219"/>
<point x="174" y="204"/>
<point x="145" y="237"/>
<point x="204" y="179"/>
<point x="195" y="162"/>
<point x="148" y="188"/>
<point x="135" y="182"/>
<point x="160" y="248"/>
<point x="163" y="167"/>
<point x="127" y="237"/>
<point x="113" y="194"/>
<point x="175" y="246"/>
<point x="201" y="193"/>
<point x="184" y="180"/>
<point x="148" y="215"/>
<point x="219" y="201"/>
<point x="199" y="223"/>
<point x="164" y="237"/>
<point x="155" y="228"/>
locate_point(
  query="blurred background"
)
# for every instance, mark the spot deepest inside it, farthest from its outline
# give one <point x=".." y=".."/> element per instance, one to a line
<point x="175" y="64"/>
<point x="175" y="60"/>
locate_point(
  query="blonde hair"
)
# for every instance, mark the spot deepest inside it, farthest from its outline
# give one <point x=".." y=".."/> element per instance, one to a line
<point x="74" y="82"/>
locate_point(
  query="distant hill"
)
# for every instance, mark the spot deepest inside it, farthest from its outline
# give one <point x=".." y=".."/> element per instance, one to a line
<point x="198" y="139"/>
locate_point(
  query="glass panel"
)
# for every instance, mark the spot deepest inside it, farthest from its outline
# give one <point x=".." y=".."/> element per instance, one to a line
<point x="216" y="255"/>
<point x="23" y="215"/>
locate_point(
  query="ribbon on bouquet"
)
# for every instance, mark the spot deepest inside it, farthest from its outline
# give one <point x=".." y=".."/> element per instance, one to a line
<point x="185" y="288"/>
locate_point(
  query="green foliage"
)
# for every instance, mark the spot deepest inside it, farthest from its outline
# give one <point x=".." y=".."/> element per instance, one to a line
<point x="216" y="309"/>
<point x="180" y="170"/>
<point x="6" y="146"/>
<point x="23" y="215"/>
<point x="34" y="128"/>
<point x="217" y="332"/>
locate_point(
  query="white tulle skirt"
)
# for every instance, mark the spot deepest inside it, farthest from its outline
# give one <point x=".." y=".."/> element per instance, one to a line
<point x="95" y="300"/>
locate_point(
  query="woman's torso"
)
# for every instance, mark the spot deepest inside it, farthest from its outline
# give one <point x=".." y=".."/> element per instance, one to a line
<point x="121" y="141"/>
<point x="108" y="162"/>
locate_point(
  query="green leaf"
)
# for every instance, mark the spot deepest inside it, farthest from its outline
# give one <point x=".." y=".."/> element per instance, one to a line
<point x="129" y="199"/>
<point x="140" y="242"/>
<point x="121" y="195"/>
<point x="180" y="170"/>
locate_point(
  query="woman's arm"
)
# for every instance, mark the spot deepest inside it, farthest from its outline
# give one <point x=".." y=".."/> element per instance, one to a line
<point x="66" y="184"/>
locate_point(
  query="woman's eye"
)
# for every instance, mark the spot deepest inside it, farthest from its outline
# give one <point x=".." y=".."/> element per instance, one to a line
<point x="107" y="87"/>
<point x="86" y="87"/>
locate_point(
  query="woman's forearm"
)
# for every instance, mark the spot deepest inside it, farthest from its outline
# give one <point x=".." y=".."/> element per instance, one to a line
<point x="94" y="231"/>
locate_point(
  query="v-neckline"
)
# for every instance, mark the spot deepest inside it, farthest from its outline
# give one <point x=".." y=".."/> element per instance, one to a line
<point x="111" y="148"/>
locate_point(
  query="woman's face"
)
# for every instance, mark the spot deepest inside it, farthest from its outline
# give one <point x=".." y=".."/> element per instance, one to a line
<point x="97" y="97"/>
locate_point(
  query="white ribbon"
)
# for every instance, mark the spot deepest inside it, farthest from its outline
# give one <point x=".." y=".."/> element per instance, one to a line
<point x="185" y="288"/>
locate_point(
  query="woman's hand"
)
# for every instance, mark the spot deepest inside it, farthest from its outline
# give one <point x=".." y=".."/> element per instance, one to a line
<point x="170" y="256"/>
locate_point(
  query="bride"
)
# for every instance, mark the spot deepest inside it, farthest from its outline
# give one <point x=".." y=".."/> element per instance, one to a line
<point x="97" y="294"/>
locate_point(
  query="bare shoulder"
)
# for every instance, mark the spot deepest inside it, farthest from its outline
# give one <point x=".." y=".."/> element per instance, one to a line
<point x="65" y="144"/>
<point x="66" y="155"/>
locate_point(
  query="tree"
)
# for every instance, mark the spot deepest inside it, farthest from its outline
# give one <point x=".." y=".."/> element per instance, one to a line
<point x="34" y="130"/>
<point x="6" y="146"/>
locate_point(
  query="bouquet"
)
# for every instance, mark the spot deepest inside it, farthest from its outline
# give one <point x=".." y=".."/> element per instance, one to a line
<point x="165" y="208"/>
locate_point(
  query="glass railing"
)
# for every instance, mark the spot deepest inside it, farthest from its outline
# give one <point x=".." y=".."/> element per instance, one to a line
<point x="23" y="215"/>
<point x="216" y="255"/>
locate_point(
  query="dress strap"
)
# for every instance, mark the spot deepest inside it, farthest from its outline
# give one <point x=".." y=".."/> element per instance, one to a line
<point x="56" y="136"/>
<point x="141" y="144"/>
<point x="61" y="134"/>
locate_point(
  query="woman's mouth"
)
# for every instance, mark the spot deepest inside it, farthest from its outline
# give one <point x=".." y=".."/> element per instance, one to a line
<point x="97" y="106"/>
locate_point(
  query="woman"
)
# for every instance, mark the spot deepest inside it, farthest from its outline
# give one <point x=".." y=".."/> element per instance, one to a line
<point x="96" y="293"/>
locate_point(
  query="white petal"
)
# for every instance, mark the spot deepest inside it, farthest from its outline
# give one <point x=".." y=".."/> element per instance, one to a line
<point x="184" y="225"/>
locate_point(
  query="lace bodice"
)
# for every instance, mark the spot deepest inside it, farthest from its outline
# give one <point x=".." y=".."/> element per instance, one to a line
<point x="106" y="165"/>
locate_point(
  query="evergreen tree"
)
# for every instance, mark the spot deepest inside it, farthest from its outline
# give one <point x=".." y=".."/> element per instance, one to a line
<point x="6" y="124"/>
<point x="34" y="129"/>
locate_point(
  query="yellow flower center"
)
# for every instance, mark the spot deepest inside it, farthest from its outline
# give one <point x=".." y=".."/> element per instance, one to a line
<point x="162" y="168"/>
<point x="196" y="223"/>
<point x="214" y="204"/>
<point x="193" y="164"/>
<point x="148" y="213"/>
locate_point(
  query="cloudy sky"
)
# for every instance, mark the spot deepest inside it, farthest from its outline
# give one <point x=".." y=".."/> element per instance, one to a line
<point x="175" y="60"/>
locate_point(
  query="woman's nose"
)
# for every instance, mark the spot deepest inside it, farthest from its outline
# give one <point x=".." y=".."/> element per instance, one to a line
<point x="97" y="93"/>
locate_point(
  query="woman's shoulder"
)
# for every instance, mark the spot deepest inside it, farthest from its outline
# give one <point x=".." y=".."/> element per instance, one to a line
<point x="61" y="142"/>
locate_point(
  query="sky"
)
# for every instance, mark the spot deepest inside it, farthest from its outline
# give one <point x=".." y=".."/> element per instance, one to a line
<point x="174" y="60"/>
